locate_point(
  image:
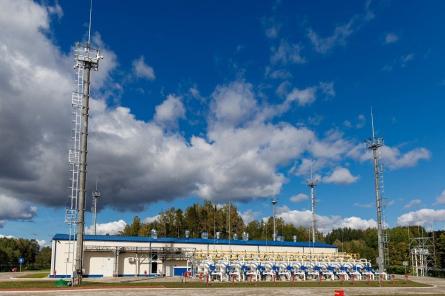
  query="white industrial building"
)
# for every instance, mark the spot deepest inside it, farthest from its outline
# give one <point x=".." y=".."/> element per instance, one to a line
<point x="113" y="256"/>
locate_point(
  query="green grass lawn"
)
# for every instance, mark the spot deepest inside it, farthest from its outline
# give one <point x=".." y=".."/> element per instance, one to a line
<point x="92" y="284"/>
<point x="36" y="275"/>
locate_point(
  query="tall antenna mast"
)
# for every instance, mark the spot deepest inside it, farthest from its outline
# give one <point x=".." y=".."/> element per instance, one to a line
<point x="89" y="23"/>
<point x="374" y="144"/>
<point x="372" y="125"/>
<point x="96" y="196"/>
<point x="86" y="59"/>
<point x="312" y="183"/>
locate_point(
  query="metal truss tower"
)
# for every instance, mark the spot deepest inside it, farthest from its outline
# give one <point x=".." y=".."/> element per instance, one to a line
<point x="374" y="144"/>
<point x="421" y="255"/>
<point x="312" y="183"/>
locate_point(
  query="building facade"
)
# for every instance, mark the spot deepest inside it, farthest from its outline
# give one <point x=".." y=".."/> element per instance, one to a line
<point x="114" y="256"/>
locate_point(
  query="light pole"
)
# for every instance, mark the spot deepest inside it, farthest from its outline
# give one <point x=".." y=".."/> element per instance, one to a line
<point x="274" y="202"/>
<point x="96" y="196"/>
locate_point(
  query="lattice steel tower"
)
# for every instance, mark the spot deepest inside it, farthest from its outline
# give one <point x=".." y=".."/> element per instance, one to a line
<point x="86" y="59"/>
<point x="312" y="183"/>
<point x="374" y="145"/>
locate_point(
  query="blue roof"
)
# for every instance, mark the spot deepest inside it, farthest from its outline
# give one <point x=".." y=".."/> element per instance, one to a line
<point x="210" y="241"/>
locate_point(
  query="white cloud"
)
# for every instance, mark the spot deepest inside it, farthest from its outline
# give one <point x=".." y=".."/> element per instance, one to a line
<point x="6" y="236"/>
<point x="277" y="74"/>
<point x="441" y="198"/>
<point x="405" y="59"/>
<point x="286" y="53"/>
<point x="111" y="228"/>
<point x="324" y="223"/>
<point x="170" y="111"/>
<point x="237" y="156"/>
<point x="340" y="175"/>
<point x="324" y="44"/>
<point x="392" y="157"/>
<point x="421" y="217"/>
<point x="42" y="243"/>
<point x="364" y="205"/>
<point x="15" y="209"/>
<point x="332" y="147"/>
<point x="142" y="70"/>
<point x="302" y="96"/>
<point x="391" y="38"/>
<point x="151" y="219"/>
<point x="413" y="203"/>
<point x="249" y="216"/>
<point x="56" y="9"/>
<point x="233" y="104"/>
<point x="341" y="32"/>
<point x="299" y="197"/>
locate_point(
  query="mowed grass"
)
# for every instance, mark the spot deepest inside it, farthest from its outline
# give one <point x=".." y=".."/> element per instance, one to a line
<point x="36" y="275"/>
<point x="306" y="284"/>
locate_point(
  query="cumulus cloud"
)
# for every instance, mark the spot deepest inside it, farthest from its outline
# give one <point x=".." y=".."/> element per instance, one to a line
<point x="391" y="38"/>
<point x="441" y="198"/>
<point x="43" y="243"/>
<point x="170" y="111"/>
<point x="142" y="70"/>
<point x="302" y="96"/>
<point x="286" y="53"/>
<point x="413" y="203"/>
<point x="239" y="155"/>
<point x="340" y="175"/>
<point x="111" y="228"/>
<point x="249" y="216"/>
<point x="233" y="104"/>
<point x="151" y="219"/>
<point x="306" y="96"/>
<point x="421" y="217"/>
<point x="392" y="157"/>
<point x="15" y="209"/>
<point x="324" y="223"/>
<point x="299" y="197"/>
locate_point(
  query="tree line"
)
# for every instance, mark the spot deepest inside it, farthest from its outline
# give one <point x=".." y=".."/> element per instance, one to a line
<point x="11" y="249"/>
<point x="212" y="218"/>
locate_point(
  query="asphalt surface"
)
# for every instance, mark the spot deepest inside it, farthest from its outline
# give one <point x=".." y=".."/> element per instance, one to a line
<point x="437" y="288"/>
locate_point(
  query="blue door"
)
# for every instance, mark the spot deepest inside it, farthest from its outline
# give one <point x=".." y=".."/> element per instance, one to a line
<point x="179" y="271"/>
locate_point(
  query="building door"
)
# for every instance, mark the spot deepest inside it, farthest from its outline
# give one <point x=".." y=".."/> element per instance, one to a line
<point x="154" y="267"/>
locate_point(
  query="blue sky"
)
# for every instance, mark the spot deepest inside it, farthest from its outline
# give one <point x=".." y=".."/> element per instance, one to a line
<point x="203" y="77"/>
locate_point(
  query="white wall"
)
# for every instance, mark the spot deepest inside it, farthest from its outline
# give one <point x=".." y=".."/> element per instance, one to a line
<point x="102" y="263"/>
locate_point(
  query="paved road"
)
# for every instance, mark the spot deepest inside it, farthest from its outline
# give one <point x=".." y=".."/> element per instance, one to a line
<point x="437" y="289"/>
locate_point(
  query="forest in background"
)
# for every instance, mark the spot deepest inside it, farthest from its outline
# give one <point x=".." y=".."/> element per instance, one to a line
<point x="11" y="249"/>
<point x="211" y="218"/>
